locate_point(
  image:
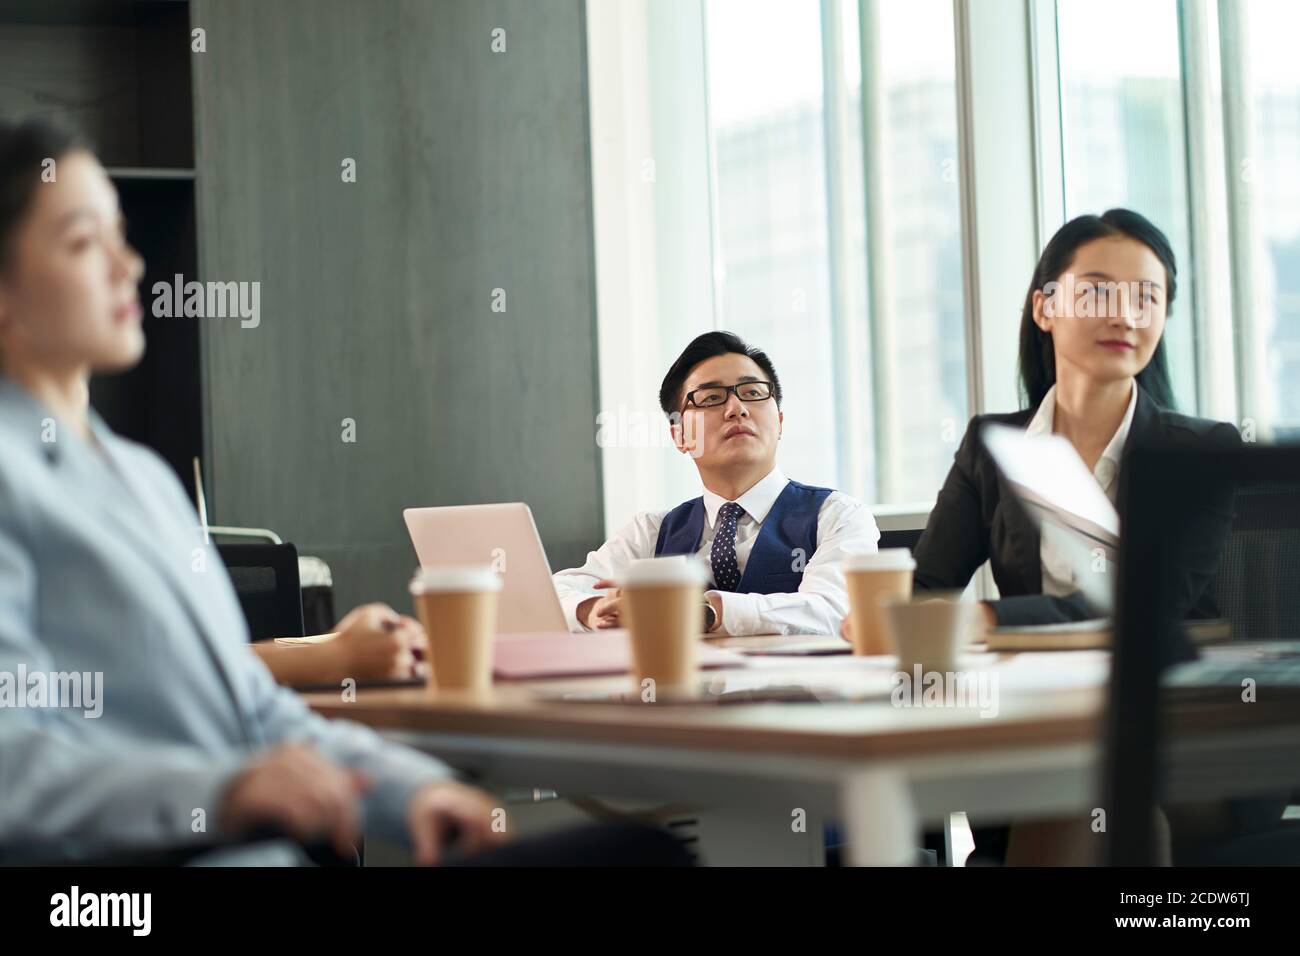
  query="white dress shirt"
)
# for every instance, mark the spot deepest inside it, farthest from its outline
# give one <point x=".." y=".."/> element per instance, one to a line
<point x="844" y="527"/>
<point x="1058" y="577"/>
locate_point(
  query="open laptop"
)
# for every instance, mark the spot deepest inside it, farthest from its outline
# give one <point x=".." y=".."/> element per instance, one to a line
<point x="504" y="537"/>
<point x="533" y="638"/>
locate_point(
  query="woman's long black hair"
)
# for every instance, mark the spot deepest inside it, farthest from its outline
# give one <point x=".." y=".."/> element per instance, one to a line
<point x="1037" y="358"/>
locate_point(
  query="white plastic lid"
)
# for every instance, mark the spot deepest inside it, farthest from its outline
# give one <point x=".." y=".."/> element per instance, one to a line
<point x="678" y="569"/>
<point x="890" y="559"/>
<point x="454" y="577"/>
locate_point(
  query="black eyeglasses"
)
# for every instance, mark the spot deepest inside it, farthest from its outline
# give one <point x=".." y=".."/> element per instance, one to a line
<point x="711" y="396"/>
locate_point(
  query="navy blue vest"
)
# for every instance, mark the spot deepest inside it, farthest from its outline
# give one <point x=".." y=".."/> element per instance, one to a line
<point x="786" y="540"/>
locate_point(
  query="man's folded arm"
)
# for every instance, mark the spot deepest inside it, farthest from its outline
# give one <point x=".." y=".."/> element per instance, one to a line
<point x="845" y="527"/>
<point x="633" y="541"/>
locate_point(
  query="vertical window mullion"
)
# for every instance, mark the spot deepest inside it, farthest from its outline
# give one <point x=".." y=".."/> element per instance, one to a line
<point x="717" y="268"/>
<point x="1238" y="142"/>
<point x="1209" y="270"/>
<point x="880" y="293"/>
<point x="999" y="209"/>
<point x="850" y="348"/>
<point x="1049" y="154"/>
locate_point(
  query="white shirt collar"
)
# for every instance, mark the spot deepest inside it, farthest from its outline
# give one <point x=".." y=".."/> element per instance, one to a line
<point x="1041" y="424"/>
<point x="757" y="501"/>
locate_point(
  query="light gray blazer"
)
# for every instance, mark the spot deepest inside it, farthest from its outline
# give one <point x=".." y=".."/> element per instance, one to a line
<point x="103" y="569"/>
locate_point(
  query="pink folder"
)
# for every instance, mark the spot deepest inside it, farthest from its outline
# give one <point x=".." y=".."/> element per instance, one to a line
<point x="562" y="654"/>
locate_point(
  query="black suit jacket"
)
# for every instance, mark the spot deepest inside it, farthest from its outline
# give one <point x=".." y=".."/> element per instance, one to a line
<point x="977" y="518"/>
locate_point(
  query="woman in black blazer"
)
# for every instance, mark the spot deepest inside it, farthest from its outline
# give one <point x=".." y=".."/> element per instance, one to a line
<point x="1093" y="370"/>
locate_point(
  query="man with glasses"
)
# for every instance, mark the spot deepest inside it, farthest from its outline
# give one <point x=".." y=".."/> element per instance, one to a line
<point x="774" y="545"/>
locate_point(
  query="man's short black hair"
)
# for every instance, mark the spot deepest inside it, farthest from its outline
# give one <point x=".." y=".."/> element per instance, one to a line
<point x="707" y="346"/>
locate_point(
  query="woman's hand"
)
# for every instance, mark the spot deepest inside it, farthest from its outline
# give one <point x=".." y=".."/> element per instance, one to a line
<point x="374" y="642"/>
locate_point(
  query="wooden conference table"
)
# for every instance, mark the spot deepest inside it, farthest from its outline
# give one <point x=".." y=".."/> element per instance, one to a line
<point x="883" y="770"/>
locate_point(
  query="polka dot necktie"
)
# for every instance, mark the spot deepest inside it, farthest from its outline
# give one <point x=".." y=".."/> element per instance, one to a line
<point x="726" y="570"/>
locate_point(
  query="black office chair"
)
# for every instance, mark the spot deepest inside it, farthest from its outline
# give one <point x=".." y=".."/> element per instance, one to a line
<point x="901" y="538"/>
<point x="1253" y="493"/>
<point x="266" y="579"/>
<point x="270" y="592"/>
<point x="1258" y="585"/>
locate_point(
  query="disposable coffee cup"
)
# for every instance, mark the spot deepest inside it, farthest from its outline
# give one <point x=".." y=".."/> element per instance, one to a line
<point x="931" y="630"/>
<point x="870" y="577"/>
<point x="663" y="600"/>
<point x="458" y="607"/>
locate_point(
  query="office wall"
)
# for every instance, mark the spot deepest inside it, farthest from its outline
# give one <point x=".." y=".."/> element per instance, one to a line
<point x="377" y="297"/>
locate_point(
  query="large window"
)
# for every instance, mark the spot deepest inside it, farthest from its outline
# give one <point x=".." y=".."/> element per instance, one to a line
<point x="1126" y="109"/>
<point x="836" y="251"/>
<point x="767" y="119"/>
<point x="914" y="313"/>
<point x="861" y="187"/>
<point x="1123" y="139"/>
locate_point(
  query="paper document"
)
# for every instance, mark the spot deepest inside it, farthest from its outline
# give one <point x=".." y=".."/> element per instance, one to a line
<point x="1063" y="498"/>
<point x="1054" y="483"/>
